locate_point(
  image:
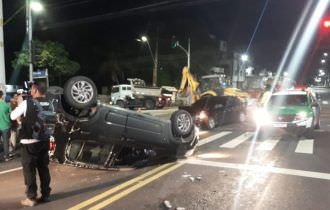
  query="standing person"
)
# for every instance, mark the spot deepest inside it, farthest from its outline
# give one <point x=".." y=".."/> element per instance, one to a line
<point x="34" y="150"/>
<point x="13" y="128"/>
<point x="4" y="125"/>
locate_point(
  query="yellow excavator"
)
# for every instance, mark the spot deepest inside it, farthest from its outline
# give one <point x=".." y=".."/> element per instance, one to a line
<point x="210" y="85"/>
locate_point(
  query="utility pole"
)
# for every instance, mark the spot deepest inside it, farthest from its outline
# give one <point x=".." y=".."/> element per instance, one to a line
<point x="2" y="53"/>
<point x="154" y="72"/>
<point x="28" y="19"/>
<point x="188" y="54"/>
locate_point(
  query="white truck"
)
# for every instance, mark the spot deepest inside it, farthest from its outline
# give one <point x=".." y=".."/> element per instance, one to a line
<point x="137" y="95"/>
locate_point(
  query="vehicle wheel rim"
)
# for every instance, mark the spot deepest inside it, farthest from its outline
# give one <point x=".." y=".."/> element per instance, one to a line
<point x="211" y="123"/>
<point x="183" y="122"/>
<point x="82" y="92"/>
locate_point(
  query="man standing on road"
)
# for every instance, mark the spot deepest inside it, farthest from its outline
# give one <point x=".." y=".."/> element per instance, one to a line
<point x="34" y="151"/>
<point x="4" y="125"/>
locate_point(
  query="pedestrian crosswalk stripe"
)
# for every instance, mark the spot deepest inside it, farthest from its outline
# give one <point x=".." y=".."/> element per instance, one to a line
<point x="305" y="146"/>
<point x="214" y="137"/>
<point x="238" y="140"/>
<point x="268" y="144"/>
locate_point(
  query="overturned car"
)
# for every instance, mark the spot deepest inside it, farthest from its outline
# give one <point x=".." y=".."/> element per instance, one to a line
<point x="99" y="135"/>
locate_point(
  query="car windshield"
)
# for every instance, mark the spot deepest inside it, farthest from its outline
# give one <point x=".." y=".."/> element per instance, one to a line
<point x="115" y="90"/>
<point x="288" y="100"/>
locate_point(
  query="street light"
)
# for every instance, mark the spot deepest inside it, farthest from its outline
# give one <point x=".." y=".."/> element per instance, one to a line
<point x="154" y="59"/>
<point x="187" y="52"/>
<point x="244" y="57"/>
<point x="35" y="6"/>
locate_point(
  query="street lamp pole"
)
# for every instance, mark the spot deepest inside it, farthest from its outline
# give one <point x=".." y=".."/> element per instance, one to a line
<point x="154" y="72"/>
<point x="154" y="58"/>
<point x="2" y="54"/>
<point x="177" y="44"/>
<point x="29" y="35"/>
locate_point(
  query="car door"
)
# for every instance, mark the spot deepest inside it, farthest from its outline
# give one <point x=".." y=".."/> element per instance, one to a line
<point x="218" y="109"/>
<point x="229" y="109"/>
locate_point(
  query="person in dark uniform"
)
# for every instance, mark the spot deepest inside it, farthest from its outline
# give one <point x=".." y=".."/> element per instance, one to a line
<point x="34" y="150"/>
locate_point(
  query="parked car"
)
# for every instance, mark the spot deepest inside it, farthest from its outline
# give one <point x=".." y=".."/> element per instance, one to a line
<point x="296" y="111"/>
<point x="209" y="112"/>
<point x="98" y="134"/>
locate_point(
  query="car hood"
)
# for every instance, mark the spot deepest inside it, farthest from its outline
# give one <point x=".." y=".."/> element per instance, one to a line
<point x="289" y="110"/>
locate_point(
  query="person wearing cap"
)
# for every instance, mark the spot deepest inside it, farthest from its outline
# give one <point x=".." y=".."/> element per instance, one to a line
<point x="34" y="152"/>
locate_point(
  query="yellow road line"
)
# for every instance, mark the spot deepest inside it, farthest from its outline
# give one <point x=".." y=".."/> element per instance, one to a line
<point x="117" y="188"/>
<point x="134" y="187"/>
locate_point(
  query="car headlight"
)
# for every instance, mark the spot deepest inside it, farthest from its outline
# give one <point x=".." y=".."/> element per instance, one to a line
<point x="262" y="117"/>
<point x="301" y="116"/>
<point x="202" y="115"/>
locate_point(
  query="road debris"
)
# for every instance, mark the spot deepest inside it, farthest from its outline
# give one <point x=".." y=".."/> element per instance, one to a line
<point x="180" y="208"/>
<point x="191" y="177"/>
<point x="167" y="204"/>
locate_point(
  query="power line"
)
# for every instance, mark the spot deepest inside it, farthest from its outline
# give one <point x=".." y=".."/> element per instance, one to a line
<point x="14" y="15"/>
<point x="258" y="23"/>
<point x="68" y="4"/>
<point x="164" y="5"/>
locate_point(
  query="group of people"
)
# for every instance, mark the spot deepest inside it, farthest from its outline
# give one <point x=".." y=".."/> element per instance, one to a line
<point x="8" y="128"/>
<point x="33" y="150"/>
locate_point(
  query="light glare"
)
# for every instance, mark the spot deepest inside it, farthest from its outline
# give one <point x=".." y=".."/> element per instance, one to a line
<point x="36" y="6"/>
<point x="144" y="39"/>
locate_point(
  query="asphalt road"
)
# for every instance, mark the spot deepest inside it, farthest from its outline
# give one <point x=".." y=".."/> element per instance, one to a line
<point x="230" y="170"/>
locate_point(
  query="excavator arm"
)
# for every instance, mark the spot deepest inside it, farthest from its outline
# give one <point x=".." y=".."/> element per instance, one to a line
<point x="189" y="84"/>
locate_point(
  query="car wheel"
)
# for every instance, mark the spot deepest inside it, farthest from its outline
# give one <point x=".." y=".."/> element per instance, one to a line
<point x="182" y="123"/>
<point x="120" y="103"/>
<point x="80" y="92"/>
<point x="210" y="123"/>
<point x="150" y="104"/>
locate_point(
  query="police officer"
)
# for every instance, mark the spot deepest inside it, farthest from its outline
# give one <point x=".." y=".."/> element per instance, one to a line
<point x="34" y="152"/>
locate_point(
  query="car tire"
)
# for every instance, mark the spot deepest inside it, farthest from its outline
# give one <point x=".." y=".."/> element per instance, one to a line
<point x="80" y="92"/>
<point x="150" y="104"/>
<point x="120" y="103"/>
<point x="210" y="123"/>
<point x="182" y="123"/>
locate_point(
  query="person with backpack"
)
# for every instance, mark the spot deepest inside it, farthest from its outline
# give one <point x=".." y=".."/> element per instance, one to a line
<point x="34" y="144"/>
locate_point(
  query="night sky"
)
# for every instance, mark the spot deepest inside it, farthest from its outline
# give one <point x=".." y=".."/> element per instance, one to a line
<point x="90" y="28"/>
